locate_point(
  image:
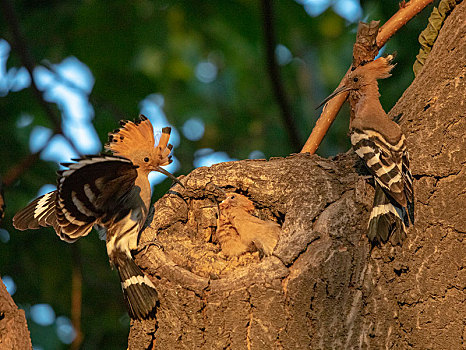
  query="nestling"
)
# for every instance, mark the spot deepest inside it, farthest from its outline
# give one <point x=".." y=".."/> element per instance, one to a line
<point x="113" y="193"/>
<point x="381" y="144"/>
<point x="238" y="231"/>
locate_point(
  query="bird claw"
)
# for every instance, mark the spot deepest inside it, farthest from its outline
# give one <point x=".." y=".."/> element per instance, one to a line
<point x="144" y="246"/>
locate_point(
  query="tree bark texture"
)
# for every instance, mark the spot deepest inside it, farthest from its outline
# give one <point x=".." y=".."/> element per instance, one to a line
<point x="14" y="333"/>
<point x="323" y="287"/>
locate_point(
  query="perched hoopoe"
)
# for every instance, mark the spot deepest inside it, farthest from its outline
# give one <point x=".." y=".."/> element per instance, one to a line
<point x="113" y="193"/>
<point x="238" y="231"/>
<point x="380" y="143"/>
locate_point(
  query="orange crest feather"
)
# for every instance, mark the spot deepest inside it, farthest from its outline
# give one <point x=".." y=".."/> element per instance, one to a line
<point x="379" y="68"/>
<point x="164" y="148"/>
<point x="137" y="135"/>
<point x="132" y="135"/>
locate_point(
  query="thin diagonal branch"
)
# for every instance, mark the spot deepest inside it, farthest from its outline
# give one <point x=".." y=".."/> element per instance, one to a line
<point x="94" y="100"/>
<point x="2" y="201"/>
<point x="331" y="109"/>
<point x="20" y="168"/>
<point x="399" y="19"/>
<point x="274" y="75"/>
<point x="21" y="48"/>
<point x="76" y="296"/>
<point x="16" y="171"/>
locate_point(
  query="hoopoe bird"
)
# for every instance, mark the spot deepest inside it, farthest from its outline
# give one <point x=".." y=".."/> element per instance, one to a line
<point x="380" y="143"/>
<point x="238" y="231"/>
<point x="111" y="192"/>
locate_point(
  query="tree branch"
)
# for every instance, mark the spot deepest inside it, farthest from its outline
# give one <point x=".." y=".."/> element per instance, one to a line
<point x="20" y="46"/>
<point x="399" y="19"/>
<point x="331" y="109"/>
<point x="94" y="100"/>
<point x="76" y="296"/>
<point x="16" y="171"/>
<point x="14" y="333"/>
<point x="274" y="75"/>
<point x="2" y="201"/>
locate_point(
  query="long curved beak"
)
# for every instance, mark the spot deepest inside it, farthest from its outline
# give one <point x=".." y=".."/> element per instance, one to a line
<point x="170" y="175"/>
<point x="221" y="190"/>
<point x="333" y="94"/>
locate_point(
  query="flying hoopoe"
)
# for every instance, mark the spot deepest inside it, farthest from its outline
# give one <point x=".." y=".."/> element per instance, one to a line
<point x="380" y="143"/>
<point x="111" y="192"/>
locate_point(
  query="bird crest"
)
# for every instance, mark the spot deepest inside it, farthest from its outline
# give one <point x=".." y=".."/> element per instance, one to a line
<point x="365" y="75"/>
<point x="139" y="135"/>
<point x="377" y="69"/>
<point x="132" y="135"/>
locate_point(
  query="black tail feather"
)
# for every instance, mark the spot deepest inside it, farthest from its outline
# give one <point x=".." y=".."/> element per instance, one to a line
<point x="139" y="292"/>
<point x="388" y="220"/>
<point x="411" y="211"/>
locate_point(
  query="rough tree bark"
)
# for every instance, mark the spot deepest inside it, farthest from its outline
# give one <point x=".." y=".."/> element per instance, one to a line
<point x="14" y="333"/>
<point x="324" y="288"/>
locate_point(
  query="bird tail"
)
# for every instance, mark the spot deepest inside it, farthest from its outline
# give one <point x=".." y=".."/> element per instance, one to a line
<point x="139" y="292"/>
<point x="388" y="220"/>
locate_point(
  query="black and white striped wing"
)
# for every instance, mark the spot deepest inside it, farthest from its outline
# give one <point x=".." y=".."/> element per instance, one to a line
<point x="389" y="164"/>
<point x="384" y="161"/>
<point x="91" y="191"/>
<point x="408" y="182"/>
<point x="39" y="213"/>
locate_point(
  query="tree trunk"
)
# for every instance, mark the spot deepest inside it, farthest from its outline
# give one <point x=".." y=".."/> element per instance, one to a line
<point x="323" y="287"/>
<point x="14" y="333"/>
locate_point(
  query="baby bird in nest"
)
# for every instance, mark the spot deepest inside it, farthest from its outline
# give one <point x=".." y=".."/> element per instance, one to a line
<point x="238" y="231"/>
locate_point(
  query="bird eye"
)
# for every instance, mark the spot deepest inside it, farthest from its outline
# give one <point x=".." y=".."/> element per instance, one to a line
<point x="232" y="197"/>
<point x="146" y="159"/>
<point x="355" y="79"/>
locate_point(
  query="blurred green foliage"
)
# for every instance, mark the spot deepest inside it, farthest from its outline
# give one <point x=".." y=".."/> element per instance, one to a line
<point x="136" y="48"/>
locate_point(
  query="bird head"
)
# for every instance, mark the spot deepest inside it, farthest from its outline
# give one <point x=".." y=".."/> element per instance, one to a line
<point x="235" y="200"/>
<point x="364" y="75"/>
<point x="135" y="141"/>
